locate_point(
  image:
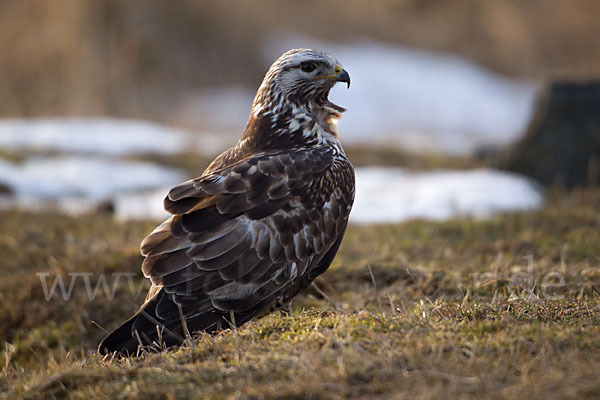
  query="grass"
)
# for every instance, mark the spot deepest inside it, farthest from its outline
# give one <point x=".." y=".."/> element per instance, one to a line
<point x="419" y="309"/>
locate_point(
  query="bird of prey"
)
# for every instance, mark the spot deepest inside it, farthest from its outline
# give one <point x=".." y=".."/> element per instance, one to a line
<point x="263" y="221"/>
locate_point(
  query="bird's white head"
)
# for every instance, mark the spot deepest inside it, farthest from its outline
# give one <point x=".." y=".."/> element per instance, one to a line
<point x="302" y="76"/>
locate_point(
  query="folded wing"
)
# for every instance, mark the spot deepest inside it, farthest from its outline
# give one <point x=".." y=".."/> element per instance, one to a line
<point x="244" y="238"/>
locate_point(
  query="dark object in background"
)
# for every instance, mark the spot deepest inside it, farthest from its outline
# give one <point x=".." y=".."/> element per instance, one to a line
<point x="562" y="144"/>
<point x="5" y="189"/>
<point x="106" y="207"/>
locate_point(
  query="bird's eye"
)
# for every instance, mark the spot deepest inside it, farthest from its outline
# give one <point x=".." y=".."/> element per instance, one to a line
<point x="308" y="67"/>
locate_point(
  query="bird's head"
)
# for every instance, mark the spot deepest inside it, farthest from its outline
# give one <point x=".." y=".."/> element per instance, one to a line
<point x="303" y="75"/>
<point x="291" y="106"/>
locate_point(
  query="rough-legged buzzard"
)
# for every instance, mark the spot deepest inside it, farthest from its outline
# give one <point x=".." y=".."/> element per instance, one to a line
<point x="265" y="218"/>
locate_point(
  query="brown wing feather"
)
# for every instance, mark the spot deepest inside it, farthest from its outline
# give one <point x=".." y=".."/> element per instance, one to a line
<point x="265" y="209"/>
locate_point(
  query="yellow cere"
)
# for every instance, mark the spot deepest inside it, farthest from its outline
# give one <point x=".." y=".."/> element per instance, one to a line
<point x="338" y="70"/>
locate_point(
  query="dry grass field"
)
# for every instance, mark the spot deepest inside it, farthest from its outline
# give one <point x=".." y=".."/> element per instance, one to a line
<point x="502" y="308"/>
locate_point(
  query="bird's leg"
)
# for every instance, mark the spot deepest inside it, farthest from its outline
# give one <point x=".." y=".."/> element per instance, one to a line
<point x="286" y="309"/>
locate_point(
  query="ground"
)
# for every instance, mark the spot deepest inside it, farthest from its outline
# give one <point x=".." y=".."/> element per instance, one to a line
<point x="501" y="308"/>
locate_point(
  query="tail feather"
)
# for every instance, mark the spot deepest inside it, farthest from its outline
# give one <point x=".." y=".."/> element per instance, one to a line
<point x="143" y="328"/>
<point x="124" y="340"/>
<point x="119" y="340"/>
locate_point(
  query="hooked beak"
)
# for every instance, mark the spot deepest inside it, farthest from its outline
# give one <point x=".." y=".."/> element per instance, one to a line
<point x="341" y="75"/>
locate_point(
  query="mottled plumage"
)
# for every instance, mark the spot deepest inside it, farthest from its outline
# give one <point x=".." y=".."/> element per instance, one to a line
<point x="265" y="218"/>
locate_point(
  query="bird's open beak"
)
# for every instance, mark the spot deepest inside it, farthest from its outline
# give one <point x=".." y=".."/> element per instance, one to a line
<point x="340" y="75"/>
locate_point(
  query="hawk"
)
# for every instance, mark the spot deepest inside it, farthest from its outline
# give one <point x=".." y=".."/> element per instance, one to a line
<point x="263" y="221"/>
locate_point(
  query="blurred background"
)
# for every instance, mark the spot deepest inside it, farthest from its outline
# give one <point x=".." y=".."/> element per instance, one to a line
<point x="462" y="107"/>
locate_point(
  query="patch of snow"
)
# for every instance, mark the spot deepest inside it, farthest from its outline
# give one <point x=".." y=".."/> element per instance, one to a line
<point x="141" y="205"/>
<point x="107" y="136"/>
<point x="89" y="179"/>
<point x="429" y="102"/>
<point x="389" y="195"/>
<point x="383" y="195"/>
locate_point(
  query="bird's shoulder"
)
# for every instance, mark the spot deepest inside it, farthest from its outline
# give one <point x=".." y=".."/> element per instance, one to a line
<point x="264" y="176"/>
